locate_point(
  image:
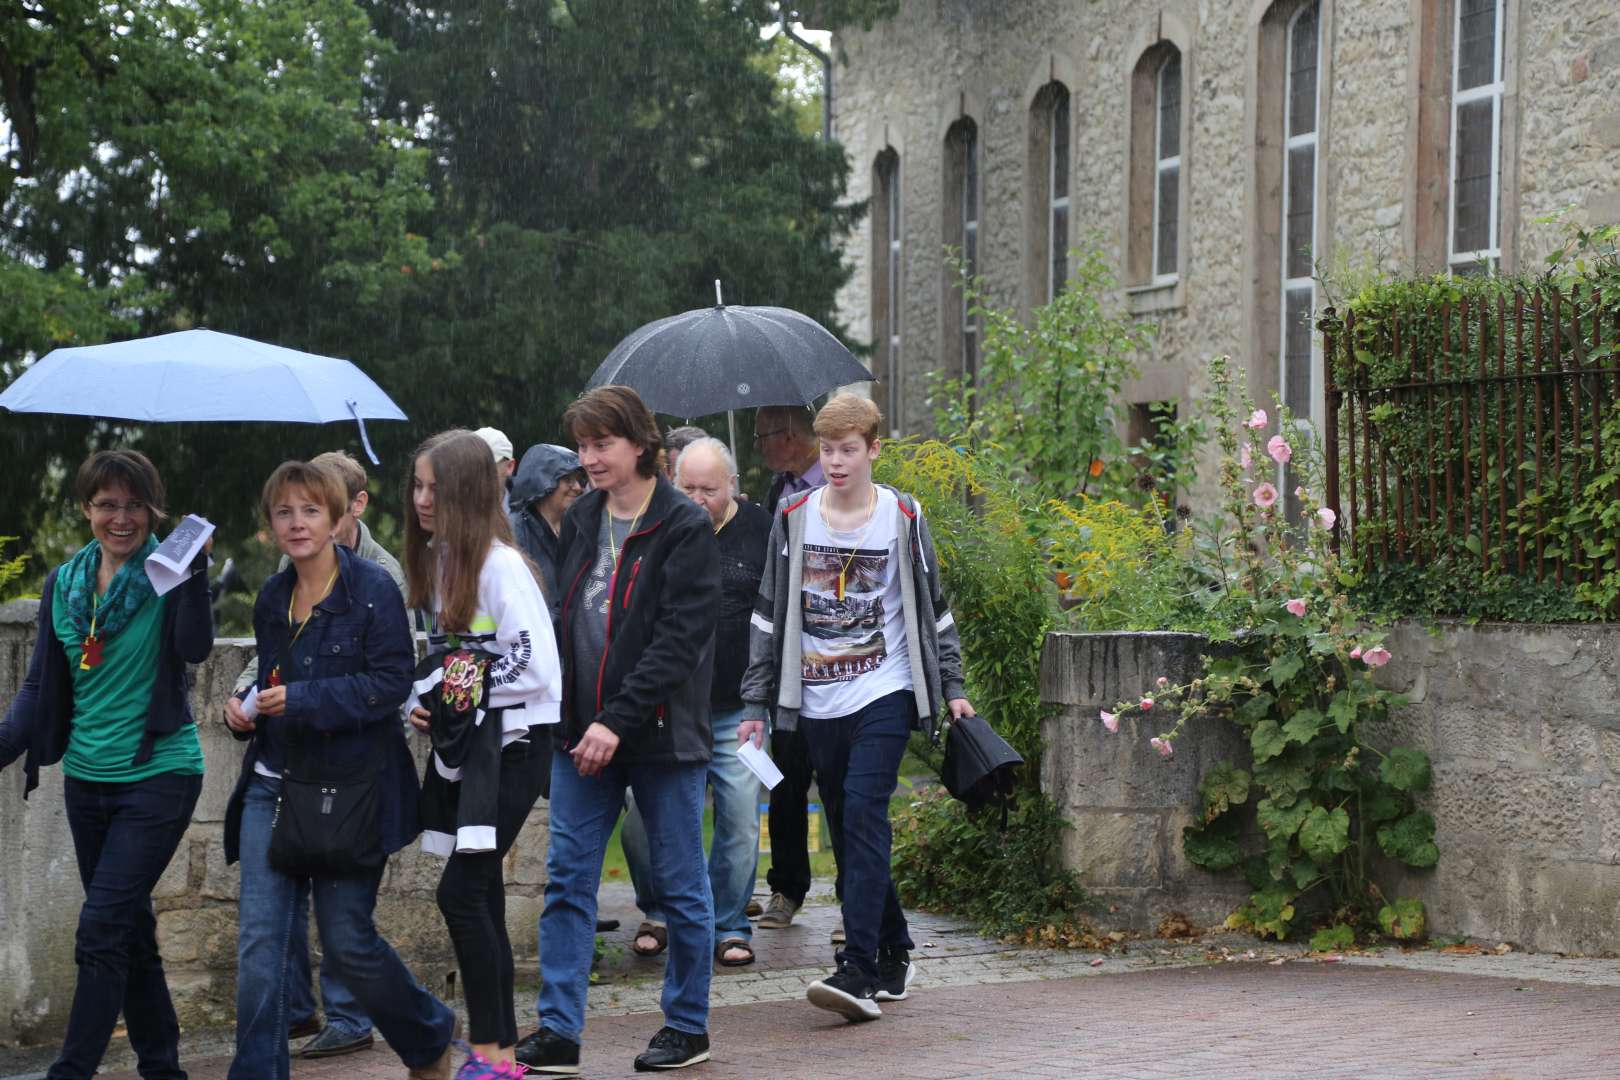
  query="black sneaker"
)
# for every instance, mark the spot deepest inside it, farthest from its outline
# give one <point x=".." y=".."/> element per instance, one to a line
<point x="895" y="972"/>
<point x="548" y="1052"/>
<point x="335" y="1042"/>
<point x="846" y="992"/>
<point x="671" y="1049"/>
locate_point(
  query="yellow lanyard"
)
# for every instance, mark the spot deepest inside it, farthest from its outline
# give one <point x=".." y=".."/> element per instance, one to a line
<point x="613" y="547"/>
<point x="849" y="560"/>
<point x="275" y="672"/>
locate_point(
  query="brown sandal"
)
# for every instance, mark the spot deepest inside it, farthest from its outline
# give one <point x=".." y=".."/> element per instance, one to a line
<point x="658" y="932"/>
<point x="723" y="947"/>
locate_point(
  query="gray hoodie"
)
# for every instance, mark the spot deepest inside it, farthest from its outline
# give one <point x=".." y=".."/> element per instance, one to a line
<point x="538" y="474"/>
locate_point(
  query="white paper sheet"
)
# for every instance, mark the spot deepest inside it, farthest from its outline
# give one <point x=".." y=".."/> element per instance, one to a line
<point x="250" y="704"/>
<point x="170" y="564"/>
<point x="760" y="764"/>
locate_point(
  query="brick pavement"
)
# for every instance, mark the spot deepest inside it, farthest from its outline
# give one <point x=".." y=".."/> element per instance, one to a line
<point x="1151" y="1011"/>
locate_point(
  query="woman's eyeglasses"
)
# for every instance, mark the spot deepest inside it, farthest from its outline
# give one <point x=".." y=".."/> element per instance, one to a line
<point x="111" y="507"/>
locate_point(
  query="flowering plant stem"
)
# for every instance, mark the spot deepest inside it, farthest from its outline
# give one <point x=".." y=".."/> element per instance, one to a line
<point x="1297" y="678"/>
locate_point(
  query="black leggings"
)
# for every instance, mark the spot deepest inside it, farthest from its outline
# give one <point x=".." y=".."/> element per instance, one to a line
<point x="472" y="898"/>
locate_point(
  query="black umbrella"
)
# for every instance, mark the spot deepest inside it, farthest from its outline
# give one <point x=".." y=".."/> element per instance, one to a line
<point x="717" y="359"/>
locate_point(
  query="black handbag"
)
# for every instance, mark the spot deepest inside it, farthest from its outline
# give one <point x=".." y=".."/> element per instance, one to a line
<point x="326" y="825"/>
<point x="980" y="767"/>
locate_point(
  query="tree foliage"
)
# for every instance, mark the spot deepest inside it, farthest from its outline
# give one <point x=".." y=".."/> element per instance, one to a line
<point x="473" y="200"/>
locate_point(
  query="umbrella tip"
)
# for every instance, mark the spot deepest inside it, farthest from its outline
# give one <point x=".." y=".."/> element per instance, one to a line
<point x="718" y="302"/>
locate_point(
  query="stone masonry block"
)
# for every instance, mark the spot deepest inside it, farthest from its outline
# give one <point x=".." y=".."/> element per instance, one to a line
<point x="1116" y="849"/>
<point x="219" y="882"/>
<point x="1571" y="747"/>
<point x="199" y="938"/>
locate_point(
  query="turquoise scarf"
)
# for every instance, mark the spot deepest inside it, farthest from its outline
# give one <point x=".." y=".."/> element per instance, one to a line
<point x="130" y="589"/>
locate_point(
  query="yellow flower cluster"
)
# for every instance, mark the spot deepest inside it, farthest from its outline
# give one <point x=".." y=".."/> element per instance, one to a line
<point x="1098" y="545"/>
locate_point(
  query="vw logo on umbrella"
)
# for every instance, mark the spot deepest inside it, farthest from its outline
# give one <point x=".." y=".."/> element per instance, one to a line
<point x="742" y="388"/>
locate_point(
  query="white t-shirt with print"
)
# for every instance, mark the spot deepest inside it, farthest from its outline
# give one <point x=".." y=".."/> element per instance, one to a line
<point x="852" y="646"/>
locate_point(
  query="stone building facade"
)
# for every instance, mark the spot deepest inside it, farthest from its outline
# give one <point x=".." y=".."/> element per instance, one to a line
<point x="1221" y="153"/>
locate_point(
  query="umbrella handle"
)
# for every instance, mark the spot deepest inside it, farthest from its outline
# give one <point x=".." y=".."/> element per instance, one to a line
<point x="354" y="407"/>
<point x="718" y="302"/>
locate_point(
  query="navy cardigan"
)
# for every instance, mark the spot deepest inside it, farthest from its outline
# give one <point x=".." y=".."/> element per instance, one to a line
<point x="40" y="719"/>
<point x="346" y="677"/>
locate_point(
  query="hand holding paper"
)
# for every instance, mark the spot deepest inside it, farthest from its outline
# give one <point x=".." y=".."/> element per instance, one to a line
<point x="170" y="564"/>
<point x="760" y="764"/>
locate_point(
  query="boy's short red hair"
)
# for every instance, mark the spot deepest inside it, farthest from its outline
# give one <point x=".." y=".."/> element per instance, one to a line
<point x="846" y="413"/>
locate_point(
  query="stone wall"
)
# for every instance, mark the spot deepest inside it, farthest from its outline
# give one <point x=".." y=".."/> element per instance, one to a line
<point x="1523" y="726"/>
<point x="903" y="83"/>
<point x="40" y="892"/>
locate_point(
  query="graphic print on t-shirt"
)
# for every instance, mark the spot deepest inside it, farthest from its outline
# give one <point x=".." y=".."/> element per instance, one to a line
<point x="847" y="629"/>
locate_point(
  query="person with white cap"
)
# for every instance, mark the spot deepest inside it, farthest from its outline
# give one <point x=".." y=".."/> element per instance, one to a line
<point x="501" y="447"/>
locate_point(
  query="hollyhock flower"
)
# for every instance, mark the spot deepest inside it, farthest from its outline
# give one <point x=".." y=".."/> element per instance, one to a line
<point x="1355" y="653"/>
<point x="1161" y="682"/>
<point x="1296" y="606"/>
<point x="1257" y="420"/>
<point x="1265" y="496"/>
<point x="1162" y="746"/>
<point x="1327" y="517"/>
<point x="1299" y="491"/>
<point x="1245" y="459"/>
<point x="1110" y="721"/>
<point x="1147" y="703"/>
<point x="1377" y="656"/>
<point x="1278" y="448"/>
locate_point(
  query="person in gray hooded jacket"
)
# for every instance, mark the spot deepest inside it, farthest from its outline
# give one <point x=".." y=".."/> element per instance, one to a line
<point x="546" y="483"/>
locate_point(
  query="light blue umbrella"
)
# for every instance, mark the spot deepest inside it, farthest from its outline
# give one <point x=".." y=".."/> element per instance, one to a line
<point x="200" y="375"/>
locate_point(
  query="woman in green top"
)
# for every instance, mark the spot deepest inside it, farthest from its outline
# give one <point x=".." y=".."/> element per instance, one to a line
<point x="106" y="695"/>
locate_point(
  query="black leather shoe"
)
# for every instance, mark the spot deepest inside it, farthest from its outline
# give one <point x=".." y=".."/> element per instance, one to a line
<point x="671" y="1049"/>
<point x="333" y="1042"/>
<point x="548" y="1052"/>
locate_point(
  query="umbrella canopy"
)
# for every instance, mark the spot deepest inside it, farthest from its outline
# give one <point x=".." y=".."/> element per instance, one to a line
<point x="716" y="359"/>
<point x="199" y="375"/>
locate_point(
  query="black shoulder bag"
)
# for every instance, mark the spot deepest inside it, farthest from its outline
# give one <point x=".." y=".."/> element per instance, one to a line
<point x="327" y="824"/>
<point x="980" y="768"/>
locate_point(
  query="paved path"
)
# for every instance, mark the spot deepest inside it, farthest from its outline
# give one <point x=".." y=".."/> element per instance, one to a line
<point x="1218" y="1008"/>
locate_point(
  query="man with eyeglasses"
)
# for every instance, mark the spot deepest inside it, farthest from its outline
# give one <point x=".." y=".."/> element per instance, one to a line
<point x="788" y="443"/>
<point x="347" y="1027"/>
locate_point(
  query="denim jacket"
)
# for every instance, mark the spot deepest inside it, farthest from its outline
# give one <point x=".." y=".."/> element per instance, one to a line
<point x="346" y="677"/>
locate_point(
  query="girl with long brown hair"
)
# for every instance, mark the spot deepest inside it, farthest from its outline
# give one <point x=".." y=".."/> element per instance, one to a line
<point x="490" y="682"/>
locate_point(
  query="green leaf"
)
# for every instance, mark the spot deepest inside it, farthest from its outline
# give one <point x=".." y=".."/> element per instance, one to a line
<point x="1406" y="769"/>
<point x="1270" y="910"/>
<point x="1403" y="920"/>
<point x="1285" y="667"/>
<point x="1254" y="710"/>
<point x="1267" y="741"/>
<point x="1281" y="822"/>
<point x="1286" y="776"/>
<point x="1411" y="839"/>
<point x="1380" y="802"/>
<point x="1223" y="787"/>
<point x="1342" y="710"/>
<point x="1325" y="833"/>
<point x="1334" y="938"/>
<point x="1473" y="544"/>
<point x="1211" y="847"/>
<point x="1303" y="726"/>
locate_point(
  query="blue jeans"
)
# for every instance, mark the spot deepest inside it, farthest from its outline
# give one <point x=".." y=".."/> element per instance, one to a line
<point x="734" y="851"/>
<point x="415" y="1023"/>
<point x="583" y="812"/>
<point x="857" y="762"/>
<point x="342" y="1011"/>
<point x="123" y="837"/>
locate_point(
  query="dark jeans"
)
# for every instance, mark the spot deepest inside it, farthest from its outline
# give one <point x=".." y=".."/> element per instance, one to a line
<point x="123" y="836"/>
<point x="857" y="759"/>
<point x="790" y="820"/>
<point x="472" y="898"/>
<point x="415" y="1024"/>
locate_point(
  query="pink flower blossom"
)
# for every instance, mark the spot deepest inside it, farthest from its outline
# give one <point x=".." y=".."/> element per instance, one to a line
<point x="1265" y="496"/>
<point x="1110" y="721"/>
<point x="1257" y="420"/>
<point x="1147" y="703"/>
<point x="1162" y="746"/>
<point x="1327" y="517"/>
<point x="1377" y="656"/>
<point x="1245" y="459"/>
<point x="1355" y="653"/>
<point x="1296" y="606"/>
<point x="1161" y="682"/>
<point x="1299" y="492"/>
<point x="1279" y="449"/>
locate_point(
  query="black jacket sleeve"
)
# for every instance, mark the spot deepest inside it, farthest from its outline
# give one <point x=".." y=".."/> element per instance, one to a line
<point x="193" y="619"/>
<point x="22" y="716"/>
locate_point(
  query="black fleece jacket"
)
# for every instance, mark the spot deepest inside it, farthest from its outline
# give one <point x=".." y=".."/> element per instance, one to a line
<point x="652" y="685"/>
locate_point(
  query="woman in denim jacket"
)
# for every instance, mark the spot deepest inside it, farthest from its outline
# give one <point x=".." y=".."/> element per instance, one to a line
<point x="336" y="658"/>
